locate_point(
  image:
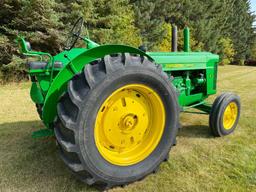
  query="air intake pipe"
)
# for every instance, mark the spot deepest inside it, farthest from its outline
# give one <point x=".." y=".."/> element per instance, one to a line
<point x="186" y="40"/>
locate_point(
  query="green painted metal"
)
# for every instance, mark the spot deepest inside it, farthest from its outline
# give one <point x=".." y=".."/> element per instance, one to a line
<point x="186" y="40"/>
<point x="206" y="107"/>
<point x="43" y="133"/>
<point x="193" y="74"/>
<point x="75" y="65"/>
<point x="23" y="46"/>
<point x="35" y="94"/>
<point x="203" y="107"/>
<point x="183" y="66"/>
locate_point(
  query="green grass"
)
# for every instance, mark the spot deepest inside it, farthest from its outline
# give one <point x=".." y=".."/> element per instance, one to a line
<point x="199" y="162"/>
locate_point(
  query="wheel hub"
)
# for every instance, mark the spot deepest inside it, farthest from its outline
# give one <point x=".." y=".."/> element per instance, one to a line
<point x="129" y="124"/>
<point x="230" y="115"/>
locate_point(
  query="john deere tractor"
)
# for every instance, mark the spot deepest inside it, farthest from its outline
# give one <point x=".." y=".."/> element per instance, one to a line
<point x="114" y="109"/>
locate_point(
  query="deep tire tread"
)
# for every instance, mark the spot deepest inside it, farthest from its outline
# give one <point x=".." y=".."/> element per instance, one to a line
<point x="88" y="72"/>
<point x="67" y="122"/>
<point x="79" y="87"/>
<point x="75" y="167"/>
<point x="66" y="145"/>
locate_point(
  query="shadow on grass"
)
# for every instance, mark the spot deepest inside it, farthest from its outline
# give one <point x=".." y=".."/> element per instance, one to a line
<point x="195" y="131"/>
<point x="33" y="164"/>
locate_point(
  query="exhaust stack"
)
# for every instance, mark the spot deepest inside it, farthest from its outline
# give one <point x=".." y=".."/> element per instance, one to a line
<point x="174" y="38"/>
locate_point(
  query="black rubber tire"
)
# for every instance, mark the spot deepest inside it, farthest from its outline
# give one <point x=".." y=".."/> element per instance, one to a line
<point x="216" y="114"/>
<point x="77" y="110"/>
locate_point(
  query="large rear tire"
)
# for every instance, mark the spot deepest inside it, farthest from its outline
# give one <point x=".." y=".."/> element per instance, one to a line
<point x="117" y="121"/>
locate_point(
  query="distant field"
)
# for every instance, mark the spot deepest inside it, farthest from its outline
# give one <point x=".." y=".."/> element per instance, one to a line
<point x="199" y="162"/>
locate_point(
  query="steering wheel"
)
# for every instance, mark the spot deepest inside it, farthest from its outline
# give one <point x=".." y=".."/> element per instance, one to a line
<point x="74" y="34"/>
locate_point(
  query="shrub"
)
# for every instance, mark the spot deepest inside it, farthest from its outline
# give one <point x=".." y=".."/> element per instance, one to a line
<point x="227" y="51"/>
<point x="14" y="71"/>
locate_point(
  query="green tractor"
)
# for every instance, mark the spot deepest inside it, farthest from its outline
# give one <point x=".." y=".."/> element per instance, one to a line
<point x="114" y="109"/>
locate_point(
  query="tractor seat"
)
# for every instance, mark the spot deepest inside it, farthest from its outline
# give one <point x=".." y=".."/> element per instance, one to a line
<point x="42" y="64"/>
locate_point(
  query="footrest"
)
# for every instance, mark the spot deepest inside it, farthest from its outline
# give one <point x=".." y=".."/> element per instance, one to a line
<point x="43" y="133"/>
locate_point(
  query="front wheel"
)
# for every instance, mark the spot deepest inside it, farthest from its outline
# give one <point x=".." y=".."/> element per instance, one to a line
<point x="118" y="120"/>
<point x="225" y="114"/>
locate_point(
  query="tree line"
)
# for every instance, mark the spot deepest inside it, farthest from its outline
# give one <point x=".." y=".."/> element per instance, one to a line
<point x="224" y="27"/>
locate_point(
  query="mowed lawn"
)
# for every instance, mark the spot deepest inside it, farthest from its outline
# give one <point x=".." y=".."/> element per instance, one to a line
<point x="199" y="162"/>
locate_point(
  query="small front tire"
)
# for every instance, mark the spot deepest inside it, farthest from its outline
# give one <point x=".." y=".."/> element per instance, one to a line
<point x="225" y="114"/>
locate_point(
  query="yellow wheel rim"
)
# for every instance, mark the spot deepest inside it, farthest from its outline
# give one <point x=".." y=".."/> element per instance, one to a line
<point x="230" y="115"/>
<point x="129" y="125"/>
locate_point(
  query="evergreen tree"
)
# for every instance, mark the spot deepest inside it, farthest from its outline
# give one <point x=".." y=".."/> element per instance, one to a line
<point x="113" y="22"/>
<point x="41" y="23"/>
<point x="201" y="16"/>
<point x="108" y="21"/>
<point x="220" y="26"/>
<point x="37" y="21"/>
<point x="242" y="32"/>
<point x="8" y="11"/>
<point x="149" y="22"/>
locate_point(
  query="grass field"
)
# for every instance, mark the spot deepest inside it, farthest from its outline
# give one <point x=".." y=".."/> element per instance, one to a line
<point x="199" y="162"/>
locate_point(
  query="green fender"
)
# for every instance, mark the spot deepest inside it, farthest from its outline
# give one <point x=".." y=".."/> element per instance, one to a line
<point x="59" y="84"/>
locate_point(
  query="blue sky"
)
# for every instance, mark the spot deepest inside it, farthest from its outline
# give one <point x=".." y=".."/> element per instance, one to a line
<point x="253" y="5"/>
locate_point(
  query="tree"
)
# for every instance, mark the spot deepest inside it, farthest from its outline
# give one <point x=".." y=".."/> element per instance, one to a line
<point x="165" y="44"/>
<point x="37" y="21"/>
<point x="41" y="23"/>
<point x="7" y="31"/>
<point x="149" y="22"/>
<point x="108" y="21"/>
<point x="226" y="51"/>
<point x="201" y="16"/>
<point x="242" y="32"/>
<point x="216" y="25"/>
